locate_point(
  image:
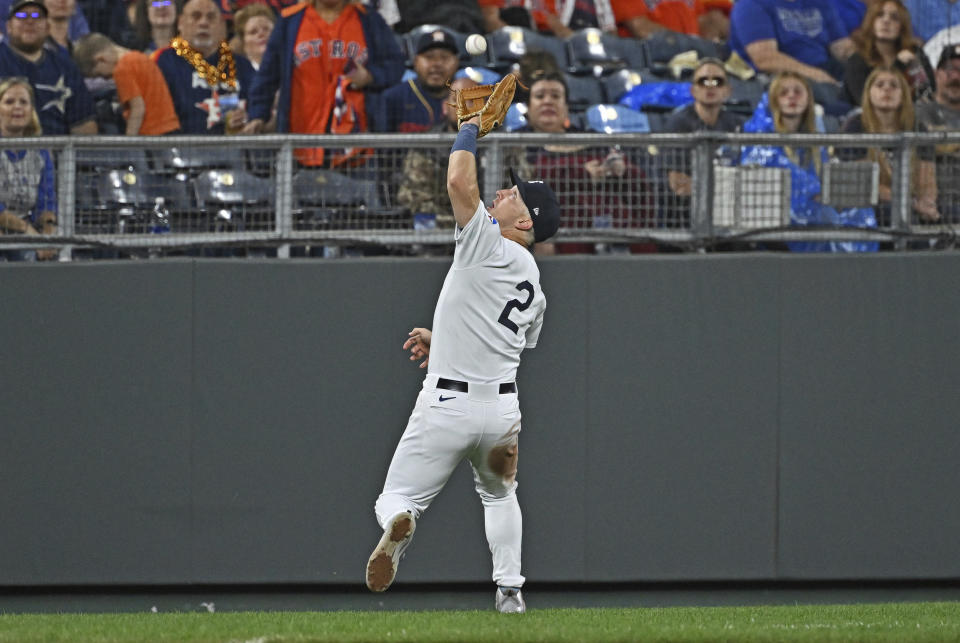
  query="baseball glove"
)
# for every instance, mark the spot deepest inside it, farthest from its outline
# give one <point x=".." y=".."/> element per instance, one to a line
<point x="489" y="102"/>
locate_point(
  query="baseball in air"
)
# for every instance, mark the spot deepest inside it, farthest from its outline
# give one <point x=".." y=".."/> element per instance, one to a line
<point x="476" y="44"/>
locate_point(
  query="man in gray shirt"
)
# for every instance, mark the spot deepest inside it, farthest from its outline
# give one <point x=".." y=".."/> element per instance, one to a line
<point x="710" y="88"/>
<point x="944" y="115"/>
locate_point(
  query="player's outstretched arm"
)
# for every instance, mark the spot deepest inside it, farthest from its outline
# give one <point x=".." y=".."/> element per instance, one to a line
<point x="462" y="173"/>
<point x="418" y="344"/>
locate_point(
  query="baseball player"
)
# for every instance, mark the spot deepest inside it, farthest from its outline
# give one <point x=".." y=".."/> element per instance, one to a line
<point x="490" y="308"/>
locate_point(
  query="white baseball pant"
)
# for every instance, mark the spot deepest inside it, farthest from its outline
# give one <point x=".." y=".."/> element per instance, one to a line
<point x="444" y="428"/>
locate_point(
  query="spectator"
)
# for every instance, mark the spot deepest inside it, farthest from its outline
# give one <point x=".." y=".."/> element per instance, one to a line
<point x="597" y="187"/>
<point x="141" y="89"/>
<point x="66" y="106"/>
<point x="886" y="40"/>
<point x="802" y="36"/>
<point x="62" y="14"/>
<point x="208" y="83"/>
<point x="417" y="104"/>
<point x="709" y="19"/>
<point x="709" y="87"/>
<point x="28" y="198"/>
<point x="556" y="17"/>
<point x="155" y="22"/>
<point x="77" y="25"/>
<point x="252" y="26"/>
<point x="943" y="114"/>
<point x="330" y="60"/>
<point x="788" y="108"/>
<point x="423" y="189"/>
<point x="888" y="109"/>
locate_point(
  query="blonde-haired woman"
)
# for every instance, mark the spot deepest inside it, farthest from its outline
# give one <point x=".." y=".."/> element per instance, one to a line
<point x="252" y="26"/>
<point x="28" y="198"/>
<point x="888" y="109"/>
<point x="788" y="108"/>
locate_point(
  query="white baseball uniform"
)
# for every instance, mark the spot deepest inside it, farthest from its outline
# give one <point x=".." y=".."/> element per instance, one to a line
<point x="490" y="308"/>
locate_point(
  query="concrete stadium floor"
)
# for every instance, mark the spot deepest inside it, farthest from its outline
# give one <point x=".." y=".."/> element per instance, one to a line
<point x="459" y="597"/>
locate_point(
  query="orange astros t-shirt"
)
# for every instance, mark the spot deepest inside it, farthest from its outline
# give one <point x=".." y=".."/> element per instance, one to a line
<point x="136" y="75"/>
<point x="320" y="53"/>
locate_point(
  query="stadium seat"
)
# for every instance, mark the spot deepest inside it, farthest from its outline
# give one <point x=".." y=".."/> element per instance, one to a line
<point x="744" y="94"/>
<point x="662" y="46"/>
<point x="231" y="187"/>
<point x="102" y="158"/>
<point x="616" y="119"/>
<point x="619" y="83"/>
<point x="113" y="188"/>
<point x="630" y="50"/>
<point x="178" y="159"/>
<point x="508" y="45"/>
<point x="325" y="199"/>
<point x="232" y="198"/>
<point x="583" y="91"/>
<point x="657" y="120"/>
<point x="589" y="52"/>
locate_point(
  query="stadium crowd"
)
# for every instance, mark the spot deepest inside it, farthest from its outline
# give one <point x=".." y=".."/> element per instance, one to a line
<point x="214" y="67"/>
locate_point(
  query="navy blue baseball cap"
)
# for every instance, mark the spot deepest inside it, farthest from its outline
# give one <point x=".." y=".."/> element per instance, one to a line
<point x="543" y="206"/>
<point x="23" y="4"/>
<point x="438" y="39"/>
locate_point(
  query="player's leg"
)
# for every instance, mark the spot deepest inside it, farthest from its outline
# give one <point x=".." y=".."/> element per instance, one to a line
<point x="494" y="464"/>
<point x="434" y="442"/>
<point x="429" y="450"/>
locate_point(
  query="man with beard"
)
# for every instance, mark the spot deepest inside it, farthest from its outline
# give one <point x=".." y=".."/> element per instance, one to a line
<point x="208" y="83"/>
<point x="422" y="183"/>
<point x="944" y="115"/>
<point x="417" y="104"/>
<point x="63" y="102"/>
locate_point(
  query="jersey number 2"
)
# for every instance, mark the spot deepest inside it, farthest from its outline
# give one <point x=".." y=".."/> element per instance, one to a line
<point x="516" y="303"/>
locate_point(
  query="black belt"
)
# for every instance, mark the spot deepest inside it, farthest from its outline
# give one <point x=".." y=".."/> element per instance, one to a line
<point x="457" y="385"/>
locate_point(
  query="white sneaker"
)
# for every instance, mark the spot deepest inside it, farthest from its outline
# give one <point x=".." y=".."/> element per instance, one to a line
<point x="382" y="565"/>
<point x="510" y="601"/>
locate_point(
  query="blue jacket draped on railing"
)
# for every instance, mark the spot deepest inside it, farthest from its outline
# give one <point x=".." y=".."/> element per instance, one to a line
<point x="805" y="208"/>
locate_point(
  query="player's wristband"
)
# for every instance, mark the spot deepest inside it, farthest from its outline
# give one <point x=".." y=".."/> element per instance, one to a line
<point x="466" y="139"/>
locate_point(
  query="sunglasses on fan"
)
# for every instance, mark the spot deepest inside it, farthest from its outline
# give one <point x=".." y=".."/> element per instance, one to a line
<point x="711" y="81"/>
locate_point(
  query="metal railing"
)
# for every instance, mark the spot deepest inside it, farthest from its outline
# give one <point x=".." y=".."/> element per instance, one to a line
<point x="163" y="194"/>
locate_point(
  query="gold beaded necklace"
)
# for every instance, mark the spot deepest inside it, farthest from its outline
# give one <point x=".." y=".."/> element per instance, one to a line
<point x="225" y="71"/>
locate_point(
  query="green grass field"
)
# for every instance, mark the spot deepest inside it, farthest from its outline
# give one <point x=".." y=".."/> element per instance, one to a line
<point x="872" y="622"/>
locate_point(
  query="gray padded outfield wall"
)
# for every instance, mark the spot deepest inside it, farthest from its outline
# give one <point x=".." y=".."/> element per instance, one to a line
<point x="742" y="417"/>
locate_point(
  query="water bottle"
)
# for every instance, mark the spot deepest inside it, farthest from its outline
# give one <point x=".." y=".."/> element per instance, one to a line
<point x="160" y="217"/>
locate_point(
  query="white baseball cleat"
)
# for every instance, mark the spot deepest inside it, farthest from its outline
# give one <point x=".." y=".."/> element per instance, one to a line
<point x="382" y="566"/>
<point x="510" y="601"/>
